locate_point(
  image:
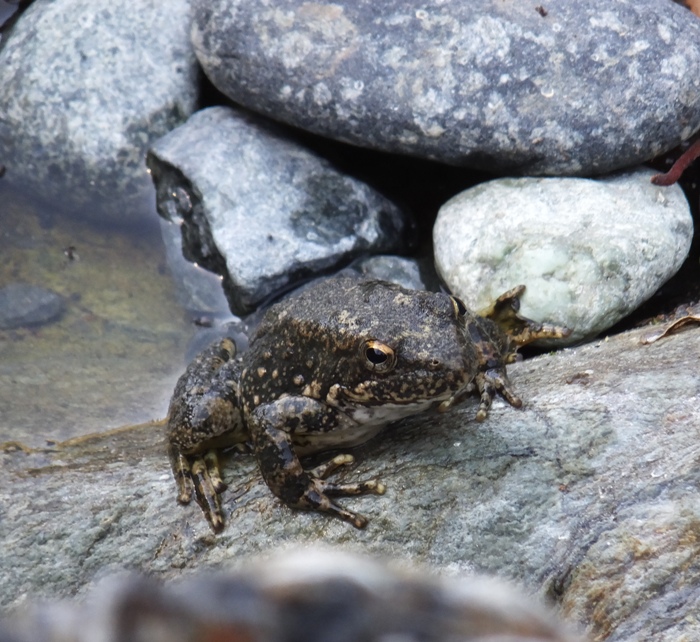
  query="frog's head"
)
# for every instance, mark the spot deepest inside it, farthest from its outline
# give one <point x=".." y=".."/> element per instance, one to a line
<point x="405" y="351"/>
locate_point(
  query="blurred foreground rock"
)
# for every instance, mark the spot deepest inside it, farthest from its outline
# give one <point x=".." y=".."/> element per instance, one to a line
<point x="310" y="595"/>
<point x="588" y="495"/>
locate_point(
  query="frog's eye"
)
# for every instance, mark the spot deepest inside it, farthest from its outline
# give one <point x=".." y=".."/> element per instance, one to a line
<point x="459" y="307"/>
<point x="379" y="357"/>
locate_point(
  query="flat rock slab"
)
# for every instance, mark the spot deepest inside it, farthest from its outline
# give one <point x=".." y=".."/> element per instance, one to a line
<point x="590" y="251"/>
<point x="577" y="88"/>
<point x="588" y="495"/>
<point x="86" y="87"/>
<point x="260" y="209"/>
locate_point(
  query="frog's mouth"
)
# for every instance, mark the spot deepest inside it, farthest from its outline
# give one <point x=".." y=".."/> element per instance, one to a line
<point x="400" y="402"/>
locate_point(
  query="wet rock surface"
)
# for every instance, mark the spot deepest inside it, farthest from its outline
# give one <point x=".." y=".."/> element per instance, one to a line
<point x="28" y="305"/>
<point x="86" y="87"/>
<point x="577" y="88"/>
<point x="313" y="595"/>
<point x="261" y="210"/>
<point x="589" y="251"/>
<point x="587" y="495"/>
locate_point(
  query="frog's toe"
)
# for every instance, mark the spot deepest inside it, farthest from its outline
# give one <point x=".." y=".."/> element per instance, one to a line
<point x="320" y="473"/>
<point x="211" y="461"/>
<point x="328" y="468"/>
<point x="370" y="486"/>
<point x="318" y="498"/>
<point x="182" y="474"/>
<point x="357" y="520"/>
<point x="207" y="495"/>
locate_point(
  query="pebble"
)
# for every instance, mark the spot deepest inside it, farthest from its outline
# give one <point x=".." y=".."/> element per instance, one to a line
<point x="576" y="88"/>
<point x="589" y="251"/>
<point x="260" y="209"/>
<point x="406" y="272"/>
<point x="27" y="305"/>
<point x="86" y="87"/>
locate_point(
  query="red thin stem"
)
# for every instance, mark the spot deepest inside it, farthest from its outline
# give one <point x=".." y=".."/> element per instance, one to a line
<point x="677" y="169"/>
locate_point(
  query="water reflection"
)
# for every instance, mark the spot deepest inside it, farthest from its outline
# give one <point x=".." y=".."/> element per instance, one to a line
<point x="114" y="355"/>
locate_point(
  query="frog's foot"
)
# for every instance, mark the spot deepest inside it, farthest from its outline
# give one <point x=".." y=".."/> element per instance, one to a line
<point x="319" y="491"/>
<point x="489" y="383"/>
<point x="505" y="313"/>
<point x="207" y="485"/>
<point x="202" y="475"/>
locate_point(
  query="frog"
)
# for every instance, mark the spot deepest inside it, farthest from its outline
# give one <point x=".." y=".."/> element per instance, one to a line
<point x="327" y="369"/>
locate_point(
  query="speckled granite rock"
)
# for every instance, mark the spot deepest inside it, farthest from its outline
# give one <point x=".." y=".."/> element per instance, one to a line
<point x="86" y="86"/>
<point x="589" y="87"/>
<point x="260" y="209"/>
<point x="589" y="495"/>
<point x="589" y="251"/>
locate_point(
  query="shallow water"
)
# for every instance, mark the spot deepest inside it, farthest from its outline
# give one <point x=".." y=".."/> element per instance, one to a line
<point x="114" y="355"/>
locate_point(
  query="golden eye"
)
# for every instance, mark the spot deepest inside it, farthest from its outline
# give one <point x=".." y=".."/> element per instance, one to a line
<point x="379" y="357"/>
<point x="459" y="307"/>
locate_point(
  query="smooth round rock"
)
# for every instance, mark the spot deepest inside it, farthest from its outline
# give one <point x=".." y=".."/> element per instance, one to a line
<point x="87" y="85"/>
<point x="23" y="305"/>
<point x="260" y="209"/>
<point x="573" y="88"/>
<point x="589" y="251"/>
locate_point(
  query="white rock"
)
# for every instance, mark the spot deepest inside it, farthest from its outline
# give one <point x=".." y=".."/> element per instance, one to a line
<point x="589" y="251"/>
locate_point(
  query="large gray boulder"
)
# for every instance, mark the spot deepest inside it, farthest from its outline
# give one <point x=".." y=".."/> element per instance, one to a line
<point x="569" y="88"/>
<point x="85" y="87"/>
<point x="588" y="495"/>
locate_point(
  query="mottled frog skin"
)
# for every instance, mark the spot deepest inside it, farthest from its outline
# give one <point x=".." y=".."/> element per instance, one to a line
<point x="329" y="368"/>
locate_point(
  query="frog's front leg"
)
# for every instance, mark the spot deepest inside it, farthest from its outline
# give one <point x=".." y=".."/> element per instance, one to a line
<point x="498" y="332"/>
<point x="273" y="428"/>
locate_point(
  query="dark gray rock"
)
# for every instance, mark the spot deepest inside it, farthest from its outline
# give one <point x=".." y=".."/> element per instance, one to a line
<point x="589" y="494"/>
<point x="589" y="251"/>
<point x="22" y="305"/>
<point x="260" y="209"/>
<point x="86" y="87"/>
<point x="588" y="88"/>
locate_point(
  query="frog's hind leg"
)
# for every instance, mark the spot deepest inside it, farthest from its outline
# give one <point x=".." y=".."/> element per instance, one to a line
<point x="505" y="313"/>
